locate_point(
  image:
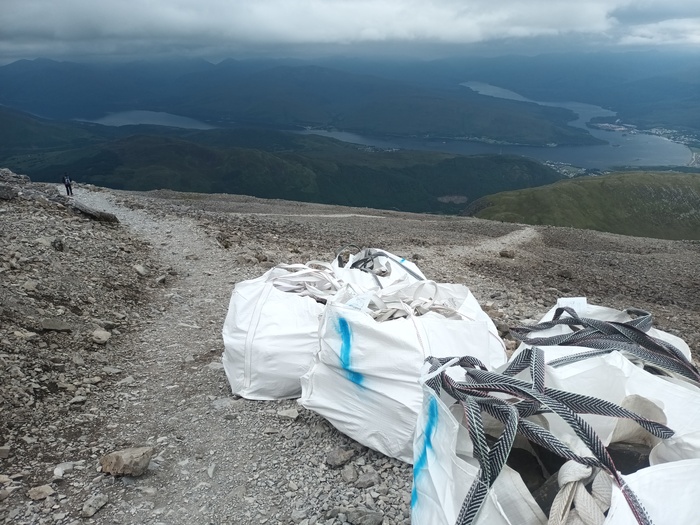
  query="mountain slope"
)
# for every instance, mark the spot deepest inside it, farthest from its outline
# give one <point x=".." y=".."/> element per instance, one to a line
<point x="262" y="163"/>
<point x="22" y="132"/>
<point x="406" y="180"/>
<point x="645" y="204"/>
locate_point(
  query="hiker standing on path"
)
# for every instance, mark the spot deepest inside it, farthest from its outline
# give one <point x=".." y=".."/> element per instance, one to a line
<point x="68" y="183"/>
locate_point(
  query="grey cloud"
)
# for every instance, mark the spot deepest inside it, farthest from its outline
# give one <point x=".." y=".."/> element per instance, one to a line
<point x="201" y="27"/>
<point x="644" y="13"/>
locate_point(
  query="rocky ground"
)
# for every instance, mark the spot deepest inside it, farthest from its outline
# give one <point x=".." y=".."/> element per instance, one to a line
<point x="110" y="337"/>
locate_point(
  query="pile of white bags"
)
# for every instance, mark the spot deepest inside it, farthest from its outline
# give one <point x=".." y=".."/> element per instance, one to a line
<point x="358" y="331"/>
<point x="365" y="377"/>
<point x="271" y="328"/>
<point x="599" y="365"/>
<point x="416" y="370"/>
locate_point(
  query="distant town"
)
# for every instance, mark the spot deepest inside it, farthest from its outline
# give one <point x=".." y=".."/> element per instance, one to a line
<point x="681" y="137"/>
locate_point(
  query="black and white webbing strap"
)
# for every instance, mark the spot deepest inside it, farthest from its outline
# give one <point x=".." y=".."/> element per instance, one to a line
<point x="363" y="263"/>
<point x="604" y="337"/>
<point x="367" y="263"/>
<point x="339" y="254"/>
<point x="475" y="393"/>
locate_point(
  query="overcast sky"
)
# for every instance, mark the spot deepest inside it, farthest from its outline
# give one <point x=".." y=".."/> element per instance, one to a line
<point x="215" y="29"/>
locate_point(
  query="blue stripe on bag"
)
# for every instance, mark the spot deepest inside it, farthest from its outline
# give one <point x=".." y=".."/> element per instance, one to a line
<point x="419" y="464"/>
<point x="343" y="328"/>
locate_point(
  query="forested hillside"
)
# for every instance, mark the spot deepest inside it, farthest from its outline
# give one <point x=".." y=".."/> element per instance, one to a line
<point x="262" y="163"/>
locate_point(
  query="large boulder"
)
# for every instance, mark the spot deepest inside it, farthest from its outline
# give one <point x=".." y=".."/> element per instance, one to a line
<point x="98" y="215"/>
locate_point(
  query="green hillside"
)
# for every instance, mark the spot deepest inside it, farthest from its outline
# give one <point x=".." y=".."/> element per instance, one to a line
<point x="269" y="164"/>
<point x="646" y="204"/>
<point x="20" y="131"/>
<point x="323" y="171"/>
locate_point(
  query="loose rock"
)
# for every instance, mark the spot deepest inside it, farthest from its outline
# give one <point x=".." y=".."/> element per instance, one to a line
<point x="291" y="413"/>
<point x="100" y="336"/>
<point x="349" y="473"/>
<point x="368" y="479"/>
<point x="130" y="461"/>
<point x="41" y="492"/>
<point x="339" y="456"/>
<point x="365" y="517"/>
<point x="55" y="325"/>
<point x="94" y="504"/>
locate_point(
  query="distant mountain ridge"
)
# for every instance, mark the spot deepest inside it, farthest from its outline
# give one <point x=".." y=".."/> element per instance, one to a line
<point x="252" y="101"/>
<point x="663" y="205"/>
<point x="649" y="89"/>
<point x="659" y="88"/>
<point x="279" y="95"/>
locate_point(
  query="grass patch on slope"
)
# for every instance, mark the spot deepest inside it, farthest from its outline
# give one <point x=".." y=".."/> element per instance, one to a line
<point x="663" y="205"/>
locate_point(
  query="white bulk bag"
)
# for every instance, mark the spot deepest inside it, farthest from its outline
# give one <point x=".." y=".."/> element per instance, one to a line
<point x="271" y="330"/>
<point x="667" y="491"/>
<point x="614" y="378"/>
<point x="451" y="486"/>
<point x="620" y="377"/>
<point x="443" y="474"/>
<point x="365" y="377"/>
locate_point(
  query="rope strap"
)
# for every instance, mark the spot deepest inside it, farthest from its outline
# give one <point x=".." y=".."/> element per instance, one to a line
<point x="300" y="279"/>
<point x="368" y="260"/>
<point x="574" y="504"/>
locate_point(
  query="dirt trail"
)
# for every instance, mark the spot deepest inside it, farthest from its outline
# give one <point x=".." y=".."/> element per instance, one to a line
<point x="489" y="247"/>
<point x="219" y="459"/>
<point x="222" y="459"/>
<point x="177" y="370"/>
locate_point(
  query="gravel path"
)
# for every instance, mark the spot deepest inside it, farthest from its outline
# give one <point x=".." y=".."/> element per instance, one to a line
<point x="251" y="465"/>
<point x="219" y="459"/>
<point x="223" y="460"/>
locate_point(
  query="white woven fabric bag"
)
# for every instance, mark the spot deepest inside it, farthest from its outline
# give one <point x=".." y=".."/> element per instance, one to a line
<point x="460" y="477"/>
<point x="271" y="330"/>
<point x="364" y="379"/>
<point x="444" y="471"/>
